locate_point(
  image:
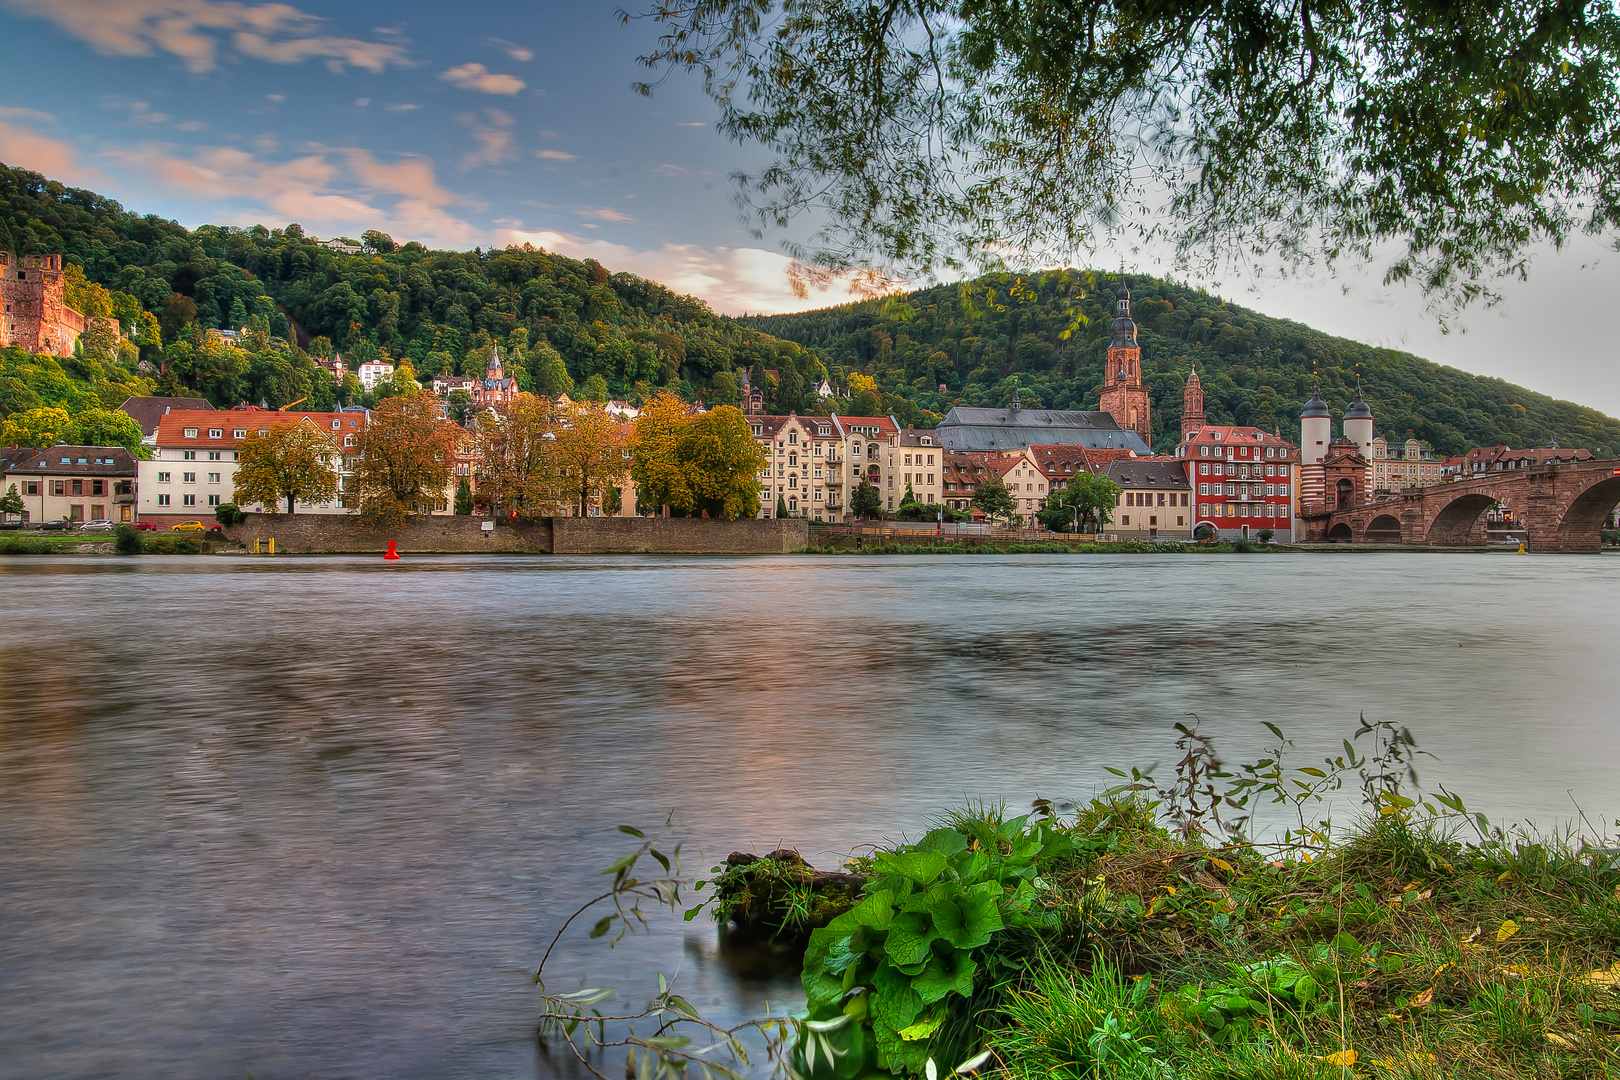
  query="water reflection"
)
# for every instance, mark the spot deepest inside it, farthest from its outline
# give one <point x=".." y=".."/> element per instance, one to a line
<point x="319" y="817"/>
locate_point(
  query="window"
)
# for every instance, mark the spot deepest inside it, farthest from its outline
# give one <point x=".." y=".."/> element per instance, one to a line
<point x="1203" y="470"/>
<point x="1203" y="509"/>
<point x="31" y="487"/>
<point x="1180" y="520"/>
<point x="1153" y="520"/>
<point x="793" y="459"/>
<point x="1126" y="520"/>
<point x="1203" y="451"/>
<point x="1282" y="470"/>
<point x="908" y="459"/>
<point x="1161" y="498"/>
<point x="189" y="500"/>
<point x="58" y="487"/>
<point x="190" y="433"/>
<point x="163" y="477"/>
<point x="216" y="433"/>
<point x="189" y="478"/>
<point x="793" y="505"/>
<point x="97" y="487"/>
<point x="78" y="487"/>
<point x="930" y="479"/>
<point x="336" y="424"/>
<point x="1184" y="498"/>
<point x="239" y="433"/>
<point x="214" y="455"/>
<point x="189" y="455"/>
<point x="76" y="511"/>
<point x="163" y="500"/>
<point x="213" y="500"/>
<point x="213" y="478"/>
<point x="793" y="438"/>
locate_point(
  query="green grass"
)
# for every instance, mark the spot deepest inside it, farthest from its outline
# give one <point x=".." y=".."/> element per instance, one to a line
<point x="1041" y="548"/>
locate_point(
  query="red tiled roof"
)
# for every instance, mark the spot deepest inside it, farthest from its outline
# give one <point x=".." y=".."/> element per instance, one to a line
<point x="173" y="427"/>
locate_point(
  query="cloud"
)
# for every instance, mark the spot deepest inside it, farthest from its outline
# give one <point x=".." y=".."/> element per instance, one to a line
<point x="515" y="51"/>
<point x="679" y="170"/>
<point x="12" y="112"/>
<point x="27" y="149"/>
<point x="494" y="139"/>
<point x="195" y="31"/>
<point x="690" y="123"/>
<point x="404" y="107"/>
<point x="606" y="213"/>
<point x="554" y="155"/>
<point x="732" y="280"/>
<point x="277" y="98"/>
<point x="480" y="78"/>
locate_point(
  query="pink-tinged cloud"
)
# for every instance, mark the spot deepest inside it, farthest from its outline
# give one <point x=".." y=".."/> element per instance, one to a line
<point x="494" y="139"/>
<point x="734" y="281"/>
<point x="23" y="148"/>
<point x="484" y="81"/>
<point x="196" y="31"/>
<point x="606" y="213"/>
<point x="555" y="155"/>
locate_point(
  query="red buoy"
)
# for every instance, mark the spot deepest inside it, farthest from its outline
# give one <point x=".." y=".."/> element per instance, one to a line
<point x="392" y="554"/>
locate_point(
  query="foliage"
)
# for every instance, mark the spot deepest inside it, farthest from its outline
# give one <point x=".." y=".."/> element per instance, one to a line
<point x="37" y="427"/>
<point x="910" y="496"/>
<point x="464" y="498"/>
<point x="1256" y="370"/>
<point x="521" y="472"/>
<point x="11" y="502"/>
<point x="655" y="456"/>
<point x="28" y="545"/>
<point x="1266" y="536"/>
<point x="865" y="502"/>
<point x="916" y="511"/>
<point x="127" y="539"/>
<point x="721" y="462"/>
<point x="781" y="506"/>
<point x="1088" y="498"/>
<point x="592" y="452"/>
<point x="936" y="134"/>
<point x="406" y="458"/>
<point x="229" y="514"/>
<point x="289" y="460"/>
<point x="991" y="496"/>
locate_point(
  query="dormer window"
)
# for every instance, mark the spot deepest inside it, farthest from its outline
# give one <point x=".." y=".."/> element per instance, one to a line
<point x="336" y="424"/>
<point x="239" y="433"/>
<point x="216" y="433"/>
<point x="190" y="433"/>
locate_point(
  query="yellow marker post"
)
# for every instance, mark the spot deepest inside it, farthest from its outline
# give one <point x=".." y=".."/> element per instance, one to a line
<point x="272" y="545"/>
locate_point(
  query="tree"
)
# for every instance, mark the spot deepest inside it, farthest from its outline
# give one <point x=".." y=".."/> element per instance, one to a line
<point x="291" y="461"/>
<point x="595" y="389"/>
<point x="721" y="461"/>
<point x="37" y="427"/>
<point x="379" y="242"/>
<point x="407" y="456"/>
<point x="464" y="498"/>
<point x="655" y="463"/>
<point x="781" y="507"/>
<point x="1087" y="499"/>
<point x="909" y="497"/>
<point x="549" y="374"/>
<point x="11" y="503"/>
<point x="101" y="427"/>
<point x="865" y="502"/>
<point x="522" y="472"/>
<point x="592" y="449"/>
<point x="991" y="496"/>
<point x="1463" y="135"/>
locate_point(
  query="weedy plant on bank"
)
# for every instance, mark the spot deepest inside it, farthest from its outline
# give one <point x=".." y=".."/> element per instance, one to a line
<point x="1150" y="934"/>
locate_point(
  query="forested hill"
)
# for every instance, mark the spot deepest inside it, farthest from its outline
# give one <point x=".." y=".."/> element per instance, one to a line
<point x="981" y="340"/>
<point x="563" y="324"/>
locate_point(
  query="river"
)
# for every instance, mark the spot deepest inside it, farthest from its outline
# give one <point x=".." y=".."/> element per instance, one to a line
<point x="318" y="817"/>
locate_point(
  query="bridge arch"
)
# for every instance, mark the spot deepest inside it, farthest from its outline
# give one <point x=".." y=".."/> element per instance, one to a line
<point x="1339" y="534"/>
<point x="1456" y="520"/>
<point x="1580" y="529"/>
<point x="1383" y="529"/>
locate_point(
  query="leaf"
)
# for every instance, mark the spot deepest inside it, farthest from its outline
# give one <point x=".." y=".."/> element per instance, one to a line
<point x="946" y="975"/>
<point x="1222" y="863"/>
<point x="967" y="923"/>
<point x="633" y="831"/>
<point x="1506" y="930"/>
<point x="920" y="867"/>
<point x="973" y="1064"/>
<point x="1344" y="1058"/>
<point x="1423" y="998"/>
<point x="910" y="935"/>
<point x="922" y="1029"/>
<point x="1609" y="978"/>
<point x="603" y="925"/>
<point x="1308" y="771"/>
<point x="1275" y="730"/>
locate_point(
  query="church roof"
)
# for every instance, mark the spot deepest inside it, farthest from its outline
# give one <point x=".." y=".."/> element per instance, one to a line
<point x="970" y="428"/>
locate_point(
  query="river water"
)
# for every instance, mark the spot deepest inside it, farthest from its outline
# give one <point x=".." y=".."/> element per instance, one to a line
<point x="318" y="817"/>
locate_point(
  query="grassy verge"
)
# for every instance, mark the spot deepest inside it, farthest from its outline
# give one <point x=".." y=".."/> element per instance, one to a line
<point x="34" y="543"/>
<point x="37" y="543"/>
<point x="1043" y="548"/>
<point x="1148" y="935"/>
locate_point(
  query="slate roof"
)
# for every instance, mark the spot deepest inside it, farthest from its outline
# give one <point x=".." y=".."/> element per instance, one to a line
<point x="71" y="461"/>
<point x="147" y="411"/>
<point x="1159" y="475"/>
<point x="969" y="428"/>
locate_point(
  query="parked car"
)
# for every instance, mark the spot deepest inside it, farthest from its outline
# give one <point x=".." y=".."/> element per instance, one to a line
<point x="98" y="525"/>
<point x="63" y="525"/>
<point x="189" y="526"/>
<point x="17" y="524"/>
<point x="146" y="526"/>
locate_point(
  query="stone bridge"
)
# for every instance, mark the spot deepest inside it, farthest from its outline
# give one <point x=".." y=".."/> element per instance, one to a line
<point x="1563" y="508"/>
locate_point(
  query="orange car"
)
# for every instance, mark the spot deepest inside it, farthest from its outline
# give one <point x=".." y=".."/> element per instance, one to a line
<point x="189" y="526"/>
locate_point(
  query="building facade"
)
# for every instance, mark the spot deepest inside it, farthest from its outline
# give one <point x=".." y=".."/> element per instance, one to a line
<point x="1124" y="395"/>
<point x="1405" y="465"/>
<point x="33" y="313"/>
<point x="1155" y="499"/>
<point x="79" y="483"/>
<point x="1241" y="480"/>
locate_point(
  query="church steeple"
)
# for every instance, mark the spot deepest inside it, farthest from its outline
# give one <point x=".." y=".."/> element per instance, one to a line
<point x="1124" y="395"/>
<point x="1192" y="405"/>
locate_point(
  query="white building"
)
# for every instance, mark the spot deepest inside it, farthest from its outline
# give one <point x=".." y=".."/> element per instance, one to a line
<point x="373" y="372"/>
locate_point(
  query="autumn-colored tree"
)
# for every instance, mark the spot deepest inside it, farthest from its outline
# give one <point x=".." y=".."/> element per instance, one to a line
<point x="291" y="461"/>
<point x="656" y="465"/>
<point x="407" y="456"/>
<point x="592" y="451"/>
<point x="522" y="469"/>
<point x="721" y="461"/>
<point x="37" y="427"/>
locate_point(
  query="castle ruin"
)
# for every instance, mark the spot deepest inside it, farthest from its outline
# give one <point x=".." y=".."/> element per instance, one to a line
<point x="33" y="314"/>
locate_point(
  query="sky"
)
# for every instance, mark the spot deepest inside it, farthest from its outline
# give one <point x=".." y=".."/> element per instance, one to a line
<point x="493" y="123"/>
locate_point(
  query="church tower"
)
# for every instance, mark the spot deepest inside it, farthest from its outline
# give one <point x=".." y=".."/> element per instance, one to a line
<point x="1124" y="395"/>
<point x="495" y="371"/>
<point x="1192" y="406"/>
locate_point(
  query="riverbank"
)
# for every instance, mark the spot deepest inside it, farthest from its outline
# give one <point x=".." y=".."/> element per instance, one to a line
<point x="1149" y="935"/>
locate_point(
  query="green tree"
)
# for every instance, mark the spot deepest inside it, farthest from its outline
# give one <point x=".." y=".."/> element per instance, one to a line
<point x="291" y="461"/>
<point x="865" y="502"/>
<point x="1087" y="499"/>
<point x="37" y="427"/>
<point x="595" y="389"/>
<point x="11" y="503"/>
<point x="549" y="373"/>
<point x="464" y="498"/>
<point x="101" y="427"/>
<point x="1462" y="136"/>
<point x="991" y="496"/>
<point x="909" y="497"/>
<point x="721" y="461"/>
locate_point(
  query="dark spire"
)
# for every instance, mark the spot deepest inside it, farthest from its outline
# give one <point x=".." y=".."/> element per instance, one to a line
<point x="1358" y="408"/>
<point x="1315" y="407"/>
<point x="1124" y="328"/>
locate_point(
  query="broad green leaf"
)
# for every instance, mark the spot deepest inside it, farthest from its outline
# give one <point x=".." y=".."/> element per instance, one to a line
<point x="922" y="1029"/>
<point x="633" y="831"/>
<point x="897" y="1004"/>
<point x="910" y="935"/>
<point x="946" y="842"/>
<point x="920" y="867"/>
<point x="945" y="975"/>
<point x="969" y="922"/>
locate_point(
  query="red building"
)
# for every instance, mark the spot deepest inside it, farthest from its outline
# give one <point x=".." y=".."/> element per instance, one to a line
<point x="1124" y="395"/>
<point x="1242" y="479"/>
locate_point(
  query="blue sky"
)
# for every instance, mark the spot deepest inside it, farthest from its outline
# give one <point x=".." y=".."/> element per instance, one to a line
<point x="492" y="123"/>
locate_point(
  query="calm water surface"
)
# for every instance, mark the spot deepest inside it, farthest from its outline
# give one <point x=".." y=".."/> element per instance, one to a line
<point x="318" y="817"/>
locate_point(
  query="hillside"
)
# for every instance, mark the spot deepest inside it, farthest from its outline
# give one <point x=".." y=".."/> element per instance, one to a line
<point x="562" y="323"/>
<point x="980" y="340"/>
<point x="569" y="325"/>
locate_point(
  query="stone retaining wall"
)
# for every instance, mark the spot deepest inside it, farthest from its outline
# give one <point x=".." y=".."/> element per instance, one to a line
<point x="309" y="534"/>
